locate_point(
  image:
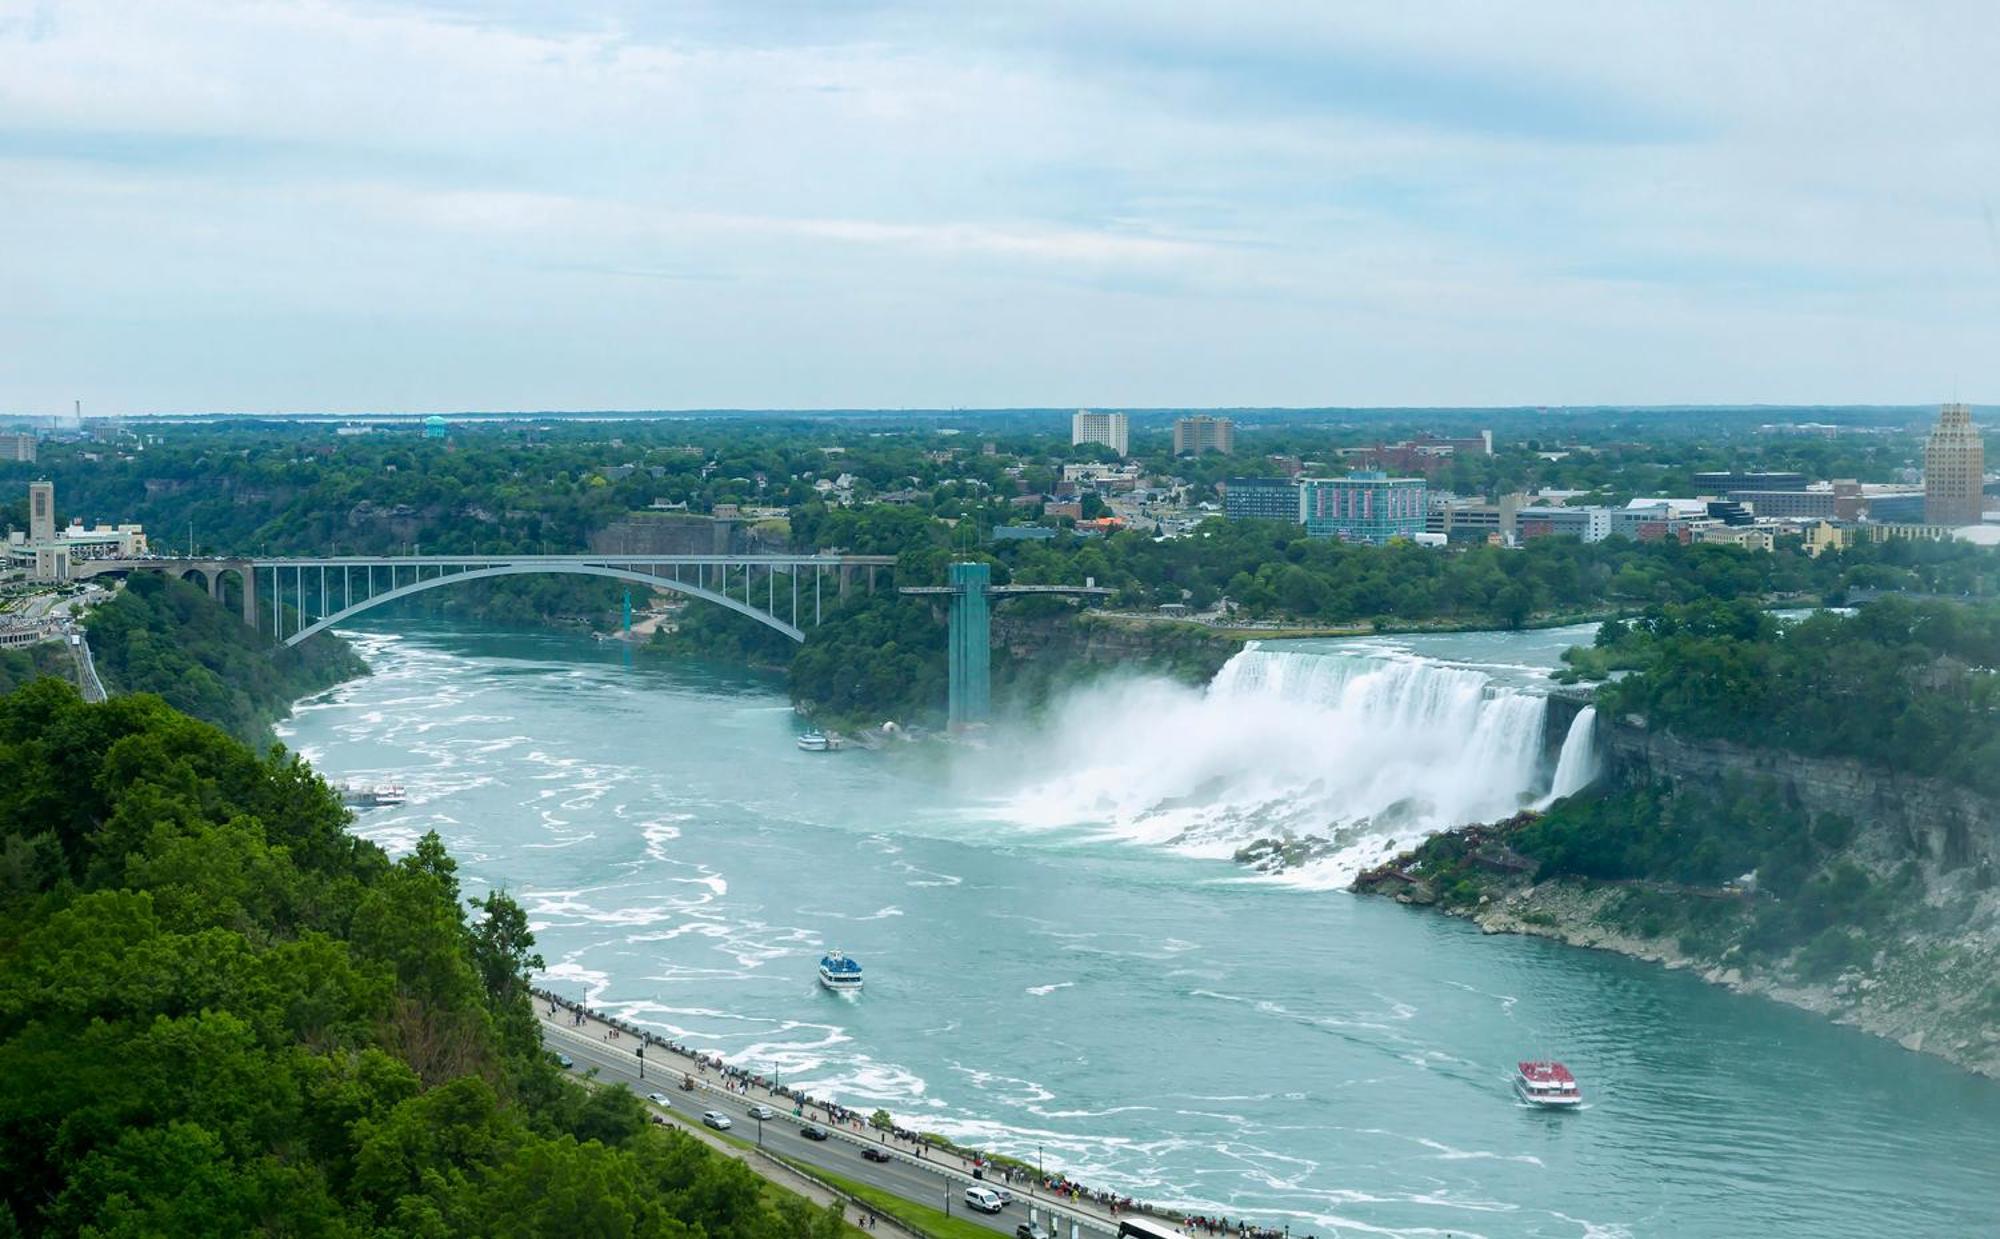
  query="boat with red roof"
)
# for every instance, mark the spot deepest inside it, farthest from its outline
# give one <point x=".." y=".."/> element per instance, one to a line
<point x="1547" y="1084"/>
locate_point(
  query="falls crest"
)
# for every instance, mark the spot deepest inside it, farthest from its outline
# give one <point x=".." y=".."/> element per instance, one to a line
<point x="1357" y="750"/>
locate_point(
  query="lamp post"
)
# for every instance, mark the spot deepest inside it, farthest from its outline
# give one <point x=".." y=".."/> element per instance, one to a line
<point x="760" y="1129"/>
<point x="640" y="1050"/>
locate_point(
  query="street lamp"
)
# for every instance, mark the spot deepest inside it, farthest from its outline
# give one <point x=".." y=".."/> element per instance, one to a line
<point x="640" y="1050"/>
<point x="760" y="1130"/>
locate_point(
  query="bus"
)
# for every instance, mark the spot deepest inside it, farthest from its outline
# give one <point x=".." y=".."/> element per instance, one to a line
<point x="1140" y="1228"/>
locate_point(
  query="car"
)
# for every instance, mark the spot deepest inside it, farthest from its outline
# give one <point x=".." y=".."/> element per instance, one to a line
<point x="762" y="1112"/>
<point x="1032" y="1230"/>
<point x="983" y="1199"/>
<point x="566" y="1061"/>
<point x="873" y="1154"/>
<point x="812" y="1132"/>
<point x="716" y="1119"/>
<point x="659" y="1099"/>
<point x="1006" y="1197"/>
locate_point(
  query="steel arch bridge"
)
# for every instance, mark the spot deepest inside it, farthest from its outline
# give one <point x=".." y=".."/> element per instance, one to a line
<point x="307" y="595"/>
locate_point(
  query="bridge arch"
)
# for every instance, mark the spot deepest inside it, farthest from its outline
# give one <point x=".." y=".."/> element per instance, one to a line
<point x="525" y="569"/>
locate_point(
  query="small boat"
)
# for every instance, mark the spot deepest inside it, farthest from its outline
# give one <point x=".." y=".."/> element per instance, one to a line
<point x="814" y="741"/>
<point x="1547" y="1084"/>
<point x="837" y="972"/>
<point x="382" y="795"/>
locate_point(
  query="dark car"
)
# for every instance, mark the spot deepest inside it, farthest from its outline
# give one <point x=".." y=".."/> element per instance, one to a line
<point x="811" y="1132"/>
<point x="874" y="1154"/>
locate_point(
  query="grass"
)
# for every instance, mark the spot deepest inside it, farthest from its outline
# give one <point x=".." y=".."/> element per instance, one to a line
<point x="917" y="1217"/>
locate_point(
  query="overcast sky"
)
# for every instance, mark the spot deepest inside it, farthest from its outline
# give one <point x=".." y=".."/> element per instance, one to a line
<point x="353" y="205"/>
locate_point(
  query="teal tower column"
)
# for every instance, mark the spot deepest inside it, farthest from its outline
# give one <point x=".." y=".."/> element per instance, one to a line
<point x="971" y="639"/>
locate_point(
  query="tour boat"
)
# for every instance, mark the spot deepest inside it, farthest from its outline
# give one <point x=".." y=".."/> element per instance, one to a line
<point x="384" y="795"/>
<point x="814" y="742"/>
<point x="1548" y="1084"/>
<point x="837" y="972"/>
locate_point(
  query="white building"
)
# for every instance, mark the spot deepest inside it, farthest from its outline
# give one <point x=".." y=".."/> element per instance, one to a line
<point x="1113" y="430"/>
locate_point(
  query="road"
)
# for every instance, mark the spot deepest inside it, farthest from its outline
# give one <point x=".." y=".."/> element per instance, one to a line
<point x="925" y="1181"/>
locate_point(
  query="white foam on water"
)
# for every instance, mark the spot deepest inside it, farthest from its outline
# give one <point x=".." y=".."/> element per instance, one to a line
<point x="1367" y="747"/>
<point x="1042" y="990"/>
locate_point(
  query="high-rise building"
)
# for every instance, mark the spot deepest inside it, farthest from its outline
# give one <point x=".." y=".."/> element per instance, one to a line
<point x="1362" y="507"/>
<point x="41" y="511"/>
<point x="1111" y="429"/>
<point x="1195" y="435"/>
<point x="18" y="447"/>
<point x="1263" y="499"/>
<point x="1954" y="469"/>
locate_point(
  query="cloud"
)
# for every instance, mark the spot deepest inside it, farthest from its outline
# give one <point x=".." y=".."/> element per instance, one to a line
<point x="1087" y="201"/>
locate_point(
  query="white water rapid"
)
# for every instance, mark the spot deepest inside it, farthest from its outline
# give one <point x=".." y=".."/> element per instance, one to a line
<point x="1359" y="751"/>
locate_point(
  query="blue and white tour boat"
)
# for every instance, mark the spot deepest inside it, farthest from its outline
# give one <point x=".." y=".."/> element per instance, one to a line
<point x="837" y="972"/>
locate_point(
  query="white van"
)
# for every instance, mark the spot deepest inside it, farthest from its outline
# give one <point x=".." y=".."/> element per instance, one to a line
<point x="984" y="1199"/>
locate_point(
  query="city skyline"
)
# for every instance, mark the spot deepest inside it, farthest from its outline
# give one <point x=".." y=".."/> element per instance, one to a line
<point x="455" y="206"/>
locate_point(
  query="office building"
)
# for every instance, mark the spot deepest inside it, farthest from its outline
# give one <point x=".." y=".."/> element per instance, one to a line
<point x="1793" y="504"/>
<point x="1195" y="435"/>
<point x="1954" y="470"/>
<point x="1725" y="481"/>
<point x="1583" y="524"/>
<point x="1462" y="520"/>
<point x="19" y="447"/>
<point x="1113" y="430"/>
<point x="1898" y="508"/>
<point x="1263" y="499"/>
<point x="1362" y="507"/>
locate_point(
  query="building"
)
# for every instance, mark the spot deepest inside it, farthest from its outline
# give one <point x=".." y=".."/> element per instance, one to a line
<point x="1899" y="508"/>
<point x="1751" y="537"/>
<point x="1583" y="524"/>
<point x="1108" y="478"/>
<point x="1825" y="536"/>
<point x="1791" y="504"/>
<point x="1262" y="499"/>
<point x="1723" y="482"/>
<point x="19" y="447"/>
<point x="41" y="512"/>
<point x="47" y="553"/>
<point x="1113" y="430"/>
<point x="1954" y="470"/>
<point x="1195" y="435"/>
<point x="1362" y="507"/>
<point x="1461" y="520"/>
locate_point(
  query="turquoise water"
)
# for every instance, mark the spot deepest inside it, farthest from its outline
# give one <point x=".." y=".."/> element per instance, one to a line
<point x="1140" y="1014"/>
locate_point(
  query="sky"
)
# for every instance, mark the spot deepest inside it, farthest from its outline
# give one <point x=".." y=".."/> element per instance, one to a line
<point x="357" y="205"/>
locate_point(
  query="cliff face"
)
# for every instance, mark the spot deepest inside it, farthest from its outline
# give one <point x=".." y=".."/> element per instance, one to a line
<point x="1031" y="651"/>
<point x="1948" y="830"/>
<point x="1928" y="976"/>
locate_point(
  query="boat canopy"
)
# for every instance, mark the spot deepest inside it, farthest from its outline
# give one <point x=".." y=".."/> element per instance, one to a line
<point x="840" y="965"/>
<point x="1546" y="1073"/>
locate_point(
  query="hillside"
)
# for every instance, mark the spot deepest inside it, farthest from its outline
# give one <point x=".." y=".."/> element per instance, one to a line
<point x="220" y="1013"/>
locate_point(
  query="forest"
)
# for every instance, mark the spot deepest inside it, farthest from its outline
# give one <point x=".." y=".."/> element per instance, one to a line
<point x="222" y="1014"/>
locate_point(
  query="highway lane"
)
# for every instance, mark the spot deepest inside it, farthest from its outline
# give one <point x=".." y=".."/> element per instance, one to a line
<point x="924" y="1181"/>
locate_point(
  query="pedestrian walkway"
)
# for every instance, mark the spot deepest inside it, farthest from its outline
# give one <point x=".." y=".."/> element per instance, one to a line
<point x="711" y="1072"/>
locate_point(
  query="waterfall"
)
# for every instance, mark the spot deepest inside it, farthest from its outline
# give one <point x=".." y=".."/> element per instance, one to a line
<point x="1577" y="764"/>
<point x="1360" y="750"/>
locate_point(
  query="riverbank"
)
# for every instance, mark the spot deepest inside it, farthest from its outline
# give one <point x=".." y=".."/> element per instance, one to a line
<point x="1929" y="990"/>
<point x="686" y="1072"/>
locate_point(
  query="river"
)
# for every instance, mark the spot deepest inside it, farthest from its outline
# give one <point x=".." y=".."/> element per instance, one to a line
<point x="1062" y="962"/>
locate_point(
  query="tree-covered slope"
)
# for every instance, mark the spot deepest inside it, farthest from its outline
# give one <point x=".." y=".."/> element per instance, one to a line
<point x="221" y="1014"/>
<point x="160" y="635"/>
